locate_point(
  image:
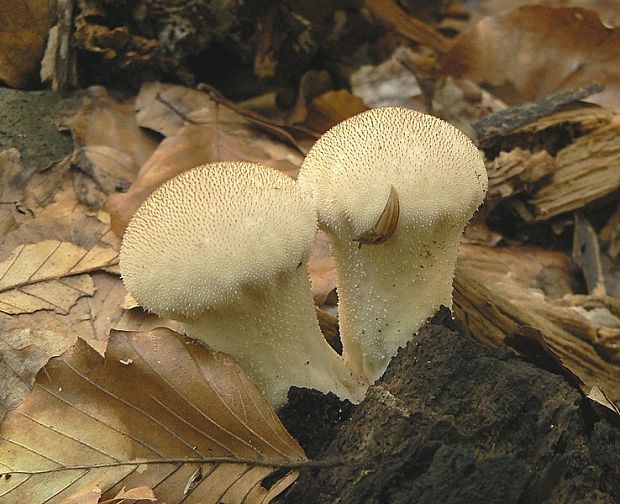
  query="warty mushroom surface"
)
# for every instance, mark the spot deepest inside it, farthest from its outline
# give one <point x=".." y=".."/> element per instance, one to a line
<point x="223" y="248"/>
<point x="394" y="189"/>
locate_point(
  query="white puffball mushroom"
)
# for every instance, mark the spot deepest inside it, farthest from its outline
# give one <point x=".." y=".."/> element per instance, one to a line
<point x="223" y="248"/>
<point x="394" y="189"/>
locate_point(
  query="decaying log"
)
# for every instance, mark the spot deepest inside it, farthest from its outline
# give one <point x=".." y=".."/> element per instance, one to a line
<point x="588" y="169"/>
<point x="507" y="121"/>
<point x="517" y="171"/>
<point x="498" y="292"/>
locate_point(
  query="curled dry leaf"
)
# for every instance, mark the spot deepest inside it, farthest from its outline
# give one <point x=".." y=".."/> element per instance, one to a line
<point x="23" y="352"/>
<point x="537" y="50"/>
<point x="329" y="109"/>
<point x="161" y="411"/>
<point x="23" y="32"/>
<point x="110" y="147"/>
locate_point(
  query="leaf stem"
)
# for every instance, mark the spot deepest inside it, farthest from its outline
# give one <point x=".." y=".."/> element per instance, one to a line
<point x="284" y="464"/>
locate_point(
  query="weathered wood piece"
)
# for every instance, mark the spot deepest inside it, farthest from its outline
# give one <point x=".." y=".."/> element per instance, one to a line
<point x="499" y="291"/>
<point x="588" y="169"/>
<point x="507" y="121"/>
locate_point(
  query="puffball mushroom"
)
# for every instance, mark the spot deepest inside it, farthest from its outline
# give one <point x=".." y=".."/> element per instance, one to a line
<point x="394" y="189"/>
<point x="223" y="248"/>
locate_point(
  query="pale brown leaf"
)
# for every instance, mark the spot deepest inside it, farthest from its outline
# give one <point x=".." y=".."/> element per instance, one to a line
<point x="160" y="411"/>
<point x="47" y="275"/>
<point x="165" y="108"/>
<point x="24" y="350"/>
<point x="537" y="50"/>
<point x="322" y="269"/>
<point x="87" y="496"/>
<point x="110" y="147"/>
<point x="606" y="9"/>
<point x="23" y="31"/>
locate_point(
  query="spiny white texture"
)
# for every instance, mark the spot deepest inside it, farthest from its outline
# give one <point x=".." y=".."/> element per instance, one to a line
<point x="212" y="232"/>
<point x="388" y="290"/>
<point x="223" y="248"/>
<point x="276" y="338"/>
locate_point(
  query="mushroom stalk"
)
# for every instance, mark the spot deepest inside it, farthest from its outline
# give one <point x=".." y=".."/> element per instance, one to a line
<point x="394" y="189"/>
<point x="387" y="292"/>
<point x="278" y="341"/>
<point x="223" y="248"/>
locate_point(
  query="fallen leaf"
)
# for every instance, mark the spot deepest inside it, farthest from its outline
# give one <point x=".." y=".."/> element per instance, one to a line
<point x="90" y="495"/>
<point x="389" y="83"/>
<point x="329" y="109"/>
<point x="23" y="31"/>
<point x="205" y="140"/>
<point x="598" y="396"/>
<point x="165" y="108"/>
<point x="322" y="269"/>
<point x="390" y="14"/>
<point x="138" y="493"/>
<point x="110" y="146"/>
<point x="606" y="9"/>
<point x="178" y="417"/>
<point x="23" y="352"/>
<point x="47" y="275"/>
<point x="537" y="50"/>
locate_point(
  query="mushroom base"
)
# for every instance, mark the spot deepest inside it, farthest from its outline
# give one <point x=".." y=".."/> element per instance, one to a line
<point x="275" y="336"/>
<point x="388" y="291"/>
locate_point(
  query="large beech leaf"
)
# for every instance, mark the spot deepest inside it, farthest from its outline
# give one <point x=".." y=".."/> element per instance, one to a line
<point x="161" y="411"/>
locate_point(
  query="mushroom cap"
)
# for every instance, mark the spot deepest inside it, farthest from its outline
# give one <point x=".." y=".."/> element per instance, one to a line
<point x="212" y="233"/>
<point x="436" y="171"/>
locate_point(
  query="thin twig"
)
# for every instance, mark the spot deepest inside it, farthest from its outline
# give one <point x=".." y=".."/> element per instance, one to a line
<point x="166" y="103"/>
<point x="284" y="464"/>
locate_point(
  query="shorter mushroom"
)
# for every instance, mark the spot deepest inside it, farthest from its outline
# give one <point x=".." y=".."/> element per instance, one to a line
<point x="223" y="248"/>
<point x="394" y="189"/>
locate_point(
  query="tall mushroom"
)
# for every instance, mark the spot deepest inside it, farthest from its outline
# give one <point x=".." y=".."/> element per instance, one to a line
<point x="223" y="248"/>
<point x="394" y="189"/>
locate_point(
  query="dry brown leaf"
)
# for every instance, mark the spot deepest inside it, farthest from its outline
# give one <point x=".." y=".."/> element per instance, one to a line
<point x="322" y="269"/>
<point x="165" y="108"/>
<point x="537" y="50"/>
<point x="138" y="493"/>
<point x="329" y="109"/>
<point x="23" y="352"/>
<point x="205" y="141"/>
<point x="110" y="147"/>
<point x="90" y="495"/>
<point x="47" y="275"/>
<point x="23" y="31"/>
<point x="156" y="412"/>
<point x="390" y="14"/>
